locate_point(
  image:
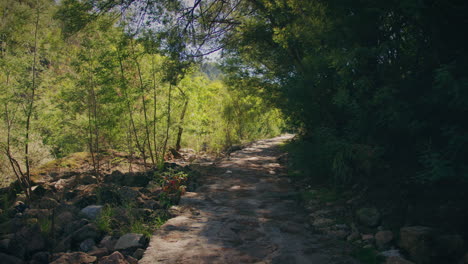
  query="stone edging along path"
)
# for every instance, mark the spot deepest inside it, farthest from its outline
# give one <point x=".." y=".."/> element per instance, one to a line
<point x="244" y="211"/>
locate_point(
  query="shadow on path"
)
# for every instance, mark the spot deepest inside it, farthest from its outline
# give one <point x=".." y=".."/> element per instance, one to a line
<point x="245" y="211"/>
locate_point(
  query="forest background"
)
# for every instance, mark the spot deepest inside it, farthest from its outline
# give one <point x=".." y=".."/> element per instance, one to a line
<point x="376" y="90"/>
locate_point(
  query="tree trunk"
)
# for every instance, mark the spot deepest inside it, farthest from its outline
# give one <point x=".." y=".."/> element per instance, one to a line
<point x="30" y="109"/>
<point x="145" y="115"/>
<point x="181" y="123"/>
<point x="168" y="123"/>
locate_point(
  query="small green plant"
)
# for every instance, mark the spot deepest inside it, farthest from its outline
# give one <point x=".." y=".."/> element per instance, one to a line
<point x="139" y="226"/>
<point x="45" y="225"/>
<point x="104" y="220"/>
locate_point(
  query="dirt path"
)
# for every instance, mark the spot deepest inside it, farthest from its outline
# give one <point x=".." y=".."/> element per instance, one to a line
<point x="243" y="212"/>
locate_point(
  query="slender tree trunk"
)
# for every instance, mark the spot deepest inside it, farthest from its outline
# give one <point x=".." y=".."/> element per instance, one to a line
<point x="154" y="109"/>
<point x="30" y="109"/>
<point x="181" y="121"/>
<point x="130" y="146"/>
<point x="130" y="112"/>
<point x="90" y="131"/>
<point x="93" y="127"/>
<point x="145" y="115"/>
<point x="168" y="122"/>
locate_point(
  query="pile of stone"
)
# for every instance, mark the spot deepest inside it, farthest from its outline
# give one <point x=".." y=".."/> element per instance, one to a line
<point x="405" y="245"/>
<point x="60" y="224"/>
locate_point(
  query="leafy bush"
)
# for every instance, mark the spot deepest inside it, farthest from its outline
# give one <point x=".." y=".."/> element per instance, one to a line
<point x="172" y="181"/>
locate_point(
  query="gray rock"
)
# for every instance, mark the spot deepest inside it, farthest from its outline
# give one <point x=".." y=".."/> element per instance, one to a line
<point x="92" y="211"/>
<point x="417" y="241"/>
<point x="87" y="245"/>
<point x="383" y="239"/>
<point x="75" y="258"/>
<point x="368" y="216"/>
<point x="130" y="240"/>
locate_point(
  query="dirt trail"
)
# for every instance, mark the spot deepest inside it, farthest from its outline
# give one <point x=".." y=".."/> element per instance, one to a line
<point x="245" y="211"/>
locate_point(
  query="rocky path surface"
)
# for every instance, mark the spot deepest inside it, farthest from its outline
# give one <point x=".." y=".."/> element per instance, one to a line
<point x="244" y="211"/>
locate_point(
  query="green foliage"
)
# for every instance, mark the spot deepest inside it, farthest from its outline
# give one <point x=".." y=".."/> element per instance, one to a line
<point x="45" y="225"/>
<point x="104" y="220"/>
<point x="361" y="84"/>
<point x="99" y="88"/>
<point x="147" y="228"/>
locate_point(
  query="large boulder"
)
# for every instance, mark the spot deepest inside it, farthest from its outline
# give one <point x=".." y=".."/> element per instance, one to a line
<point x="75" y="258"/>
<point x="418" y="241"/>
<point x="92" y="211"/>
<point x="130" y="241"/>
<point x="368" y="216"/>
